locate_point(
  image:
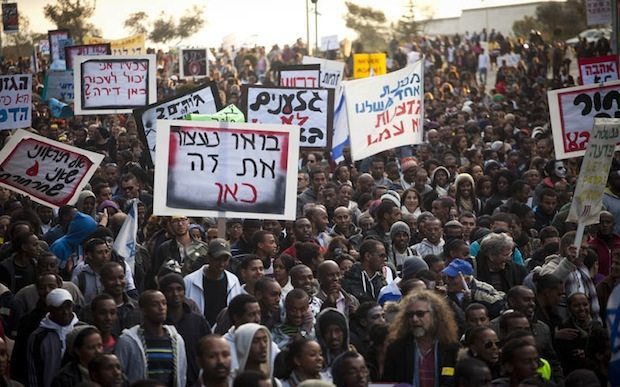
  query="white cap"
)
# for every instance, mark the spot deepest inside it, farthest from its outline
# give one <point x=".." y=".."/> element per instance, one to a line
<point x="57" y="297"/>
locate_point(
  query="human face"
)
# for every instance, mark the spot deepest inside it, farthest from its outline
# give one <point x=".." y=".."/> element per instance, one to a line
<point x="330" y="277"/>
<point x="321" y="220"/>
<point x="302" y="230"/>
<point x="533" y="177"/>
<point x="296" y="311"/>
<point x="111" y="175"/>
<point x="303" y="279"/>
<point x="487" y="346"/>
<point x="377" y="259"/>
<point x="548" y="204"/>
<point x="114" y="281"/>
<point x="175" y="294"/>
<point x="334" y="337"/>
<point x="253" y="272"/>
<point x="401" y="240"/>
<point x="503" y="186"/>
<point x="217" y="265"/>
<point x="62" y="315"/>
<point x="99" y="255"/>
<point x="559" y="169"/>
<point x="477" y="318"/>
<point x="269" y="245"/>
<point x="130" y="188"/>
<point x="468" y="225"/>
<point x="216" y="359"/>
<point x="180" y="226"/>
<point x="259" y="347"/>
<point x="501" y="259"/>
<point x="441" y="178"/>
<point x="270" y="297"/>
<point x="411" y="201"/>
<point x="279" y="271"/>
<point x="155" y="308"/>
<point x="606" y="224"/>
<point x="234" y="231"/>
<point x="32" y="247"/>
<point x="45" y="214"/>
<point x="330" y="199"/>
<point x="579" y="307"/>
<point x="105" y="316"/>
<point x="343" y="174"/>
<point x="344" y="195"/>
<point x="91" y="347"/>
<point x="377" y="170"/>
<point x="465" y="189"/>
<point x="394" y="215"/>
<point x="342" y="218"/>
<point x="525" y="363"/>
<point x="477" y="172"/>
<point x="251" y="314"/>
<point x="110" y="373"/>
<point x="310" y="360"/>
<point x="356" y="372"/>
<point x="434" y="231"/>
<point x="517" y="324"/>
<point x="375" y="316"/>
<point x="318" y="182"/>
<point x="88" y="205"/>
<point x="420" y="318"/>
<point x="524" y="302"/>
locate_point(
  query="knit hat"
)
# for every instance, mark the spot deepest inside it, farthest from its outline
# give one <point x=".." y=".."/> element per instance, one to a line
<point x="464" y="177"/>
<point x="77" y="331"/>
<point x="170" y="278"/>
<point x="408" y="162"/>
<point x="393" y="196"/>
<point x="413" y="266"/>
<point x="399" y="226"/>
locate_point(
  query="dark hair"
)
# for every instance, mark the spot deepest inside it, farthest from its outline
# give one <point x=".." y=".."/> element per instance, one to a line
<point x="259" y="236"/>
<point x="362" y="312"/>
<point x="96" y="363"/>
<point x="548" y="232"/>
<point x="502" y="217"/>
<point x="550" y="192"/>
<point x="45" y="274"/>
<point x="475" y="306"/>
<point x="145" y="296"/>
<point x="249" y="379"/>
<point x="338" y="367"/>
<point x="262" y="283"/>
<point x="467" y="369"/>
<point x="475" y="333"/>
<point x="288" y="261"/>
<point x="503" y="319"/>
<point x="384" y="208"/>
<point x="307" y="252"/>
<point x="94" y="304"/>
<point x="246" y="261"/>
<point x="546" y="282"/>
<point x="237" y="305"/>
<point x="108" y="266"/>
<point x="295" y="294"/>
<point x="20" y="240"/>
<point x="517" y="186"/>
<point x="315" y="171"/>
<point x="590" y="259"/>
<point x="201" y="343"/>
<point x="431" y="259"/>
<point x="370" y="245"/>
<point x="92" y="243"/>
<point x="286" y="364"/>
<point x="80" y="338"/>
<point x="511" y="347"/>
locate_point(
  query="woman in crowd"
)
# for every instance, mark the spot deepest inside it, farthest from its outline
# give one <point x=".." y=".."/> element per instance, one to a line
<point x="411" y="202"/>
<point x="83" y="344"/>
<point x="281" y="267"/>
<point x="484" y="345"/>
<point x="302" y="360"/>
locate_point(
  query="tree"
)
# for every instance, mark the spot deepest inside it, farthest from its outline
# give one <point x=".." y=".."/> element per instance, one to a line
<point x="370" y="25"/>
<point x="73" y="16"/>
<point x="165" y="28"/>
<point x="555" y="20"/>
<point x="407" y="25"/>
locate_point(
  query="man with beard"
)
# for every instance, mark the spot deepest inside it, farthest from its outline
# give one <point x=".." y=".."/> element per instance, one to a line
<point x="214" y="358"/>
<point x="153" y="350"/>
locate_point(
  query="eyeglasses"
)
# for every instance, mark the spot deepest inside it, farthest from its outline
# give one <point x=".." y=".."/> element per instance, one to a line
<point x="417" y="313"/>
<point x="490" y="344"/>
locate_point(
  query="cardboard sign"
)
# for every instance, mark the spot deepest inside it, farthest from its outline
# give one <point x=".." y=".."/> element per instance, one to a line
<point x="48" y="171"/>
<point x="54" y="38"/>
<point x="300" y="76"/>
<point x="85" y="50"/>
<point x="385" y="112"/>
<point x="363" y="63"/>
<point x="109" y="84"/>
<point x="193" y="63"/>
<point x="203" y="100"/>
<point x="10" y="18"/>
<point x="330" y="43"/>
<point x="311" y="109"/>
<point x="59" y="85"/>
<point x="588" y="198"/>
<point x="572" y="113"/>
<point x="131" y="45"/>
<point x="230" y="113"/>
<point x="598" y="12"/>
<point x="599" y="69"/>
<point x="332" y="72"/>
<point x="226" y="169"/>
<point x="15" y="101"/>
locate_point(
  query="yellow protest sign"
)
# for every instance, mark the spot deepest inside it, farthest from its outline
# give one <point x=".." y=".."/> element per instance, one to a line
<point x="362" y="63"/>
<point x="131" y="45"/>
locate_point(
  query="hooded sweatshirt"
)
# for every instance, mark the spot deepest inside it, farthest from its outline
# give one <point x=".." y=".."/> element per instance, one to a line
<point x="80" y="228"/>
<point x="328" y="317"/>
<point x="243" y="341"/>
<point x="80" y="202"/>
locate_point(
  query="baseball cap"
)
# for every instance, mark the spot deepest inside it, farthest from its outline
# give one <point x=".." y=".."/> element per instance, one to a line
<point x="219" y="247"/>
<point x="57" y="297"/>
<point x="458" y="266"/>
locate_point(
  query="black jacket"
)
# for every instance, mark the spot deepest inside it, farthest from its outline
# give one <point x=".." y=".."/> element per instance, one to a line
<point x="357" y="283"/>
<point x="400" y="358"/>
<point x="512" y="275"/>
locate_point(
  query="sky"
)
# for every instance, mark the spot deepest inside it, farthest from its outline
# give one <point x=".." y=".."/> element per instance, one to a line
<point x="264" y="22"/>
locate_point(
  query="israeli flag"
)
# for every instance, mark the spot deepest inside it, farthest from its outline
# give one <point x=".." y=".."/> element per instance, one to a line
<point x="340" y="138"/>
<point x="613" y="322"/>
<point x="125" y="242"/>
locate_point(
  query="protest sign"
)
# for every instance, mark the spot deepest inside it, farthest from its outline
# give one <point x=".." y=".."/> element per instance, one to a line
<point x="131" y="45"/>
<point x="587" y="200"/>
<point x="109" y="84"/>
<point x="364" y="63"/>
<point x="329" y="43"/>
<point x="598" y="12"/>
<point x="85" y="50"/>
<point x="311" y="109"/>
<point x="599" y="69"/>
<point x="48" y="171"/>
<point x="572" y="113"/>
<point x="44" y="46"/>
<point x="15" y="101"/>
<point x="226" y="169"/>
<point x="204" y="100"/>
<point x="54" y="38"/>
<point x="10" y="19"/>
<point x="230" y="113"/>
<point x="332" y="72"/>
<point x="193" y="62"/>
<point x="300" y="76"/>
<point x="59" y="85"/>
<point x="385" y="112"/>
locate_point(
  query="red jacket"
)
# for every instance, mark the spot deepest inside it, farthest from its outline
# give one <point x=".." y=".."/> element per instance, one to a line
<point x="603" y="250"/>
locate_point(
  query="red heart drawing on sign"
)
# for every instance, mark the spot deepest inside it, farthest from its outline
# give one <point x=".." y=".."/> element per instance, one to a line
<point x="34" y="170"/>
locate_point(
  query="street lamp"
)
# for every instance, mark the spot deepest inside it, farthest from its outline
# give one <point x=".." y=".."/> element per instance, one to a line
<point x="316" y="26"/>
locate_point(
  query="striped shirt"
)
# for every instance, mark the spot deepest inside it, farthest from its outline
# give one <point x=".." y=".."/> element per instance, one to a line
<point x="160" y="359"/>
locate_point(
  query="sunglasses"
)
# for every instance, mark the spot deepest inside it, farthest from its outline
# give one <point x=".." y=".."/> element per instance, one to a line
<point x="417" y="313"/>
<point x="490" y="344"/>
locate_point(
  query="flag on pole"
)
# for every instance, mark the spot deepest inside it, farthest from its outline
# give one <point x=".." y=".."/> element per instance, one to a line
<point x="125" y="242"/>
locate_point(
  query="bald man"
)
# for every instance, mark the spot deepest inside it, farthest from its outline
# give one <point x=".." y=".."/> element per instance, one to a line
<point x="214" y="358"/>
<point x="331" y="293"/>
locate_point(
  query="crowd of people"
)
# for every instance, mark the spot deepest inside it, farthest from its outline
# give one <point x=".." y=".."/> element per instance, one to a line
<point x="446" y="263"/>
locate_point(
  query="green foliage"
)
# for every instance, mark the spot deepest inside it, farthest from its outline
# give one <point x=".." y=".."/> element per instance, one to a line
<point x="165" y="28"/>
<point x="370" y="25"/>
<point x="73" y="15"/>
<point x="555" y="20"/>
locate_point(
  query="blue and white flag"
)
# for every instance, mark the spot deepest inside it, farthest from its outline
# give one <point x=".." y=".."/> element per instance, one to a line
<point x="340" y="137"/>
<point x="613" y="323"/>
<point x="125" y="242"/>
